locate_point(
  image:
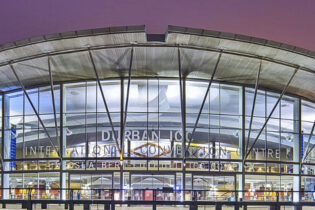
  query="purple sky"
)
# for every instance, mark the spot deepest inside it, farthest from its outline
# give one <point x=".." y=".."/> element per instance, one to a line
<point x="288" y="21"/>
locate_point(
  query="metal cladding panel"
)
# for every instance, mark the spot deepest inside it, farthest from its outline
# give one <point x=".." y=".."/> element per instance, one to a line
<point x="274" y="76"/>
<point x="70" y="44"/>
<point x="198" y="64"/>
<point x="155" y="61"/>
<point x="7" y="79"/>
<point x="72" y="66"/>
<point x="33" y="72"/>
<point x="111" y="50"/>
<point x="237" y="69"/>
<point x="241" y="47"/>
<point x="303" y="84"/>
<point x="112" y="62"/>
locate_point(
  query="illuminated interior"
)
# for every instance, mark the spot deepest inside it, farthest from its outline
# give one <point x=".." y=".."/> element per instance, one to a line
<point x="152" y="152"/>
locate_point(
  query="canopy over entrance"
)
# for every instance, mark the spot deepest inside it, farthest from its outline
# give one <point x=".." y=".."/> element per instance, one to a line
<point x="157" y="56"/>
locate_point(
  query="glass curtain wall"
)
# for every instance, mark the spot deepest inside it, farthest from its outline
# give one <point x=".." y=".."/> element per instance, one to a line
<point x="91" y="138"/>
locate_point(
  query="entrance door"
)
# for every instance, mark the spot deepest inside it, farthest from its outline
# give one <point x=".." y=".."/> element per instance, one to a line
<point x="214" y="188"/>
<point x="144" y="184"/>
<point x="93" y="186"/>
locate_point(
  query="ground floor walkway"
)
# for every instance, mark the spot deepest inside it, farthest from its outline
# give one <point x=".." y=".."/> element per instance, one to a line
<point x="101" y="207"/>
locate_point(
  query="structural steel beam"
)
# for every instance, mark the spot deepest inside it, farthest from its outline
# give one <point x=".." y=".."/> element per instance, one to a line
<point x="253" y="107"/>
<point x="308" y="143"/>
<point x="209" y="49"/>
<point x="182" y="105"/>
<point x="53" y="100"/>
<point x="204" y="101"/>
<point x="34" y="109"/>
<point x="127" y="98"/>
<point x="104" y="101"/>
<point x="272" y="111"/>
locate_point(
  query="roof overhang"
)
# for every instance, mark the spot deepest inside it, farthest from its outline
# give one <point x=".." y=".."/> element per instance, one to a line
<point x="68" y="54"/>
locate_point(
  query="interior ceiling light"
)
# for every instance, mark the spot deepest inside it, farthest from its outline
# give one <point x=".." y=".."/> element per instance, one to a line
<point x="289" y="138"/>
<point x="68" y="132"/>
<point x="74" y="92"/>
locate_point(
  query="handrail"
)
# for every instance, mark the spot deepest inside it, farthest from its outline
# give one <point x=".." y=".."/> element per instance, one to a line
<point x="32" y="193"/>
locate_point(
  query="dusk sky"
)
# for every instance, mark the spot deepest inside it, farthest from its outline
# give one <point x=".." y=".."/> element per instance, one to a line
<point x="287" y="21"/>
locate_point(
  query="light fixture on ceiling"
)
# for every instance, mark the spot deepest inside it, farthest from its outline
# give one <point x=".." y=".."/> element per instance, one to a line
<point x="289" y="138"/>
<point x="68" y="132"/>
<point x="74" y="93"/>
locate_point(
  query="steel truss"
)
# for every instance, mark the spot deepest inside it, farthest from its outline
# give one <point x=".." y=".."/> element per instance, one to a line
<point x="34" y="109"/>
<point x="271" y="113"/>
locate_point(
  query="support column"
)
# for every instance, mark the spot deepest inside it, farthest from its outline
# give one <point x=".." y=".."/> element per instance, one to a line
<point x="62" y="142"/>
<point x="86" y="207"/>
<point x="297" y="207"/>
<point x="6" y="146"/>
<point x="122" y="138"/>
<point x="184" y="139"/>
<point x="241" y="140"/>
<point x="193" y="207"/>
<point x="218" y="206"/>
<point x="71" y="206"/>
<point x="275" y="207"/>
<point x="106" y="206"/>
<point x="297" y="156"/>
<point x="112" y="206"/>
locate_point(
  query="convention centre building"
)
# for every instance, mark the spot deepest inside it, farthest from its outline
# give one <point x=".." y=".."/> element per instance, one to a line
<point x="192" y="117"/>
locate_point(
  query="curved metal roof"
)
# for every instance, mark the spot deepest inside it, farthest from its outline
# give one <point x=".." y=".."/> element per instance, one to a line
<point x="68" y="56"/>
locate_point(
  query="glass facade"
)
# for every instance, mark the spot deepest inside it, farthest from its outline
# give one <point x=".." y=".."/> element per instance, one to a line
<point x="139" y="143"/>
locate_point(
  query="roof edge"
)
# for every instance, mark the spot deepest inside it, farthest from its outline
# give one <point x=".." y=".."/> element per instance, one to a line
<point x="73" y="34"/>
<point x="240" y="37"/>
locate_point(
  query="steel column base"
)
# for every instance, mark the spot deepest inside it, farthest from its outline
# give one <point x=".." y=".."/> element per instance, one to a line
<point x="297" y="207"/>
<point x="193" y="207"/>
<point x="86" y="207"/>
<point x="71" y="206"/>
<point x="274" y="207"/>
<point x="218" y="207"/>
<point x="29" y="206"/>
<point x="24" y="205"/>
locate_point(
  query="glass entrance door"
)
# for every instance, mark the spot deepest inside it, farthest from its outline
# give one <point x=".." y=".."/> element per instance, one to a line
<point x="91" y="186"/>
<point x="144" y="184"/>
<point x="214" y="188"/>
